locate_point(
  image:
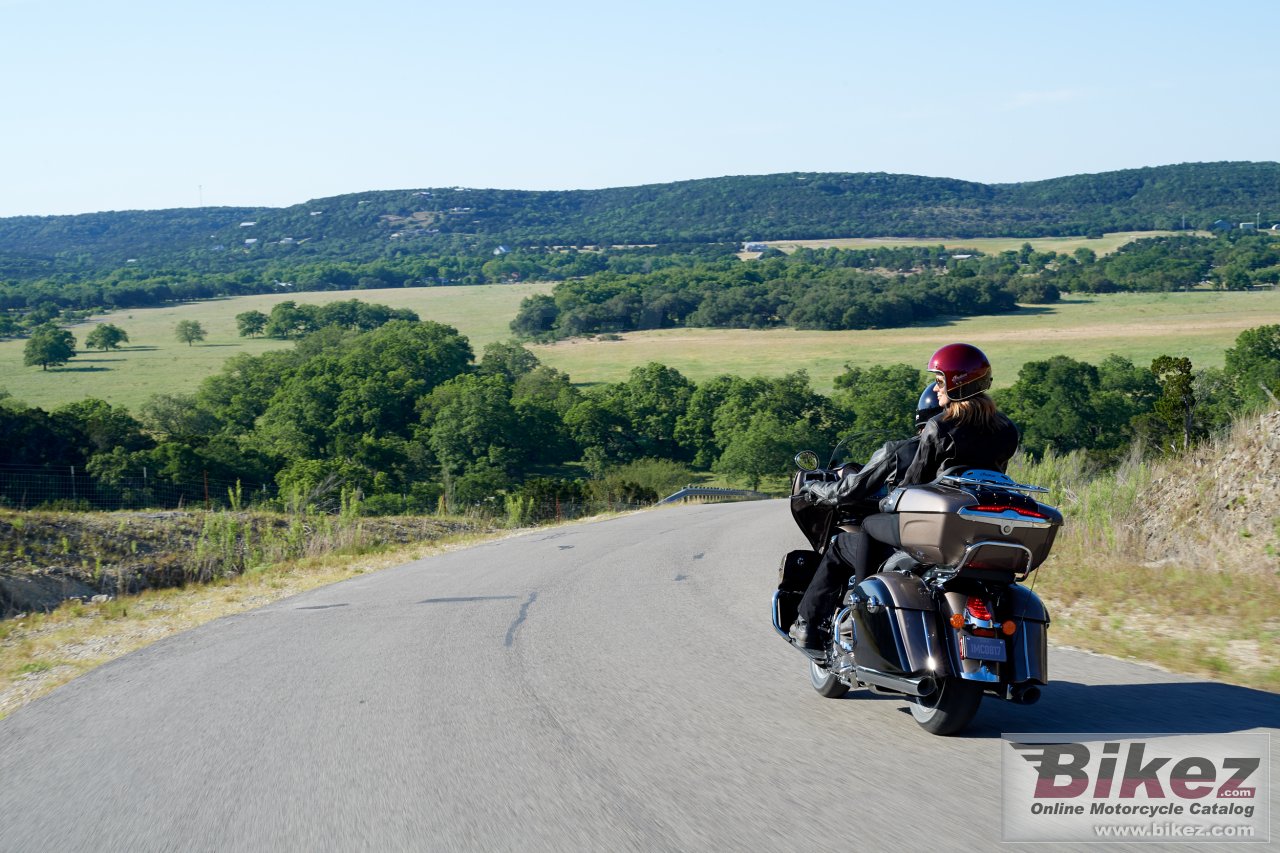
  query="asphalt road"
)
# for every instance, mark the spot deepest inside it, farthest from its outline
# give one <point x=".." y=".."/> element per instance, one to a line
<point x="605" y="686"/>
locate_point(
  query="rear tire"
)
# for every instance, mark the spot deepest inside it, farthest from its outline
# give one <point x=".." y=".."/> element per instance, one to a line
<point x="949" y="708"/>
<point x="826" y="684"/>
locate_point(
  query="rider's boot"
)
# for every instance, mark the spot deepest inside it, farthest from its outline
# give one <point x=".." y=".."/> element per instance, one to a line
<point x="815" y="638"/>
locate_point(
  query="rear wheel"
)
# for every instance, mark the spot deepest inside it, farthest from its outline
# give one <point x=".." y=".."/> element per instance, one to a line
<point x="949" y="708"/>
<point x="826" y="684"/>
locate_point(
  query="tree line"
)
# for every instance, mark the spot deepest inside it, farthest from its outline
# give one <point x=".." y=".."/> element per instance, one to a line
<point x="442" y="221"/>
<point x="409" y="416"/>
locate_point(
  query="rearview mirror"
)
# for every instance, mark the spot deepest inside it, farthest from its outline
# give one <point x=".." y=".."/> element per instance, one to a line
<point x="806" y="460"/>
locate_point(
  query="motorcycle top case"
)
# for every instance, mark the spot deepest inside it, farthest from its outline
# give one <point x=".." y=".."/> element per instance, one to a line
<point x="927" y="521"/>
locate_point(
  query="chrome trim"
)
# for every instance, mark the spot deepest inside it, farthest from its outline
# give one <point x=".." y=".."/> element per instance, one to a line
<point x="983" y="543"/>
<point x="982" y="673"/>
<point x="777" y="617"/>
<point x="971" y="621"/>
<point x="919" y="686"/>
<point x="818" y="657"/>
<point x="835" y="629"/>
<point x="1009" y="517"/>
<point x="993" y="479"/>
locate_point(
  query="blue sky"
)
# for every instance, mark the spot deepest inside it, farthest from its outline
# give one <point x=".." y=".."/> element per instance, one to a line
<point x="127" y="105"/>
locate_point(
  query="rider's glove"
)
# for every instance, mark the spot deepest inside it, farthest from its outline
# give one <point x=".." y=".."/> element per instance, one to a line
<point x="820" y="492"/>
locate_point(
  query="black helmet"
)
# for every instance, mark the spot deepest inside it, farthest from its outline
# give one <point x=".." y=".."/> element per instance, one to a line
<point x="928" y="406"/>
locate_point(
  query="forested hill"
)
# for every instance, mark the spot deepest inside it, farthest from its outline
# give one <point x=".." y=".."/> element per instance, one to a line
<point x="785" y="206"/>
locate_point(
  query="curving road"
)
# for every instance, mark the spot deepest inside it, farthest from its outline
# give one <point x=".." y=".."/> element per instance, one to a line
<point x="604" y="686"/>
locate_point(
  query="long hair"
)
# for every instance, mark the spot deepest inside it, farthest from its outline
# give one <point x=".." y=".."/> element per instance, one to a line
<point x="979" y="410"/>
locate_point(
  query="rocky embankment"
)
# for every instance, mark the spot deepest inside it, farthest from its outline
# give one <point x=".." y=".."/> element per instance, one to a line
<point x="46" y="558"/>
<point x="1220" y="507"/>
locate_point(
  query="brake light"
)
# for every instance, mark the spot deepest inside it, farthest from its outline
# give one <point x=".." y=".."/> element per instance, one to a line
<point x="1029" y="513"/>
<point x="978" y="609"/>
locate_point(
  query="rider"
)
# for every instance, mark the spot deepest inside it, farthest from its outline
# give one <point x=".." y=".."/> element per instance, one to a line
<point x="970" y="431"/>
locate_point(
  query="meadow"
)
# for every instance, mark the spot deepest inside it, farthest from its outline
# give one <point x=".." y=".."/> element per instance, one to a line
<point x="155" y="362"/>
<point x="1199" y="325"/>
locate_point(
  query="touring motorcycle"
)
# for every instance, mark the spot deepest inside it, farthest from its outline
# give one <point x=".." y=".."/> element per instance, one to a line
<point x="946" y="619"/>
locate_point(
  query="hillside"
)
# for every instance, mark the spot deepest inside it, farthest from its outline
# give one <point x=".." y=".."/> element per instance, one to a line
<point x="1220" y="508"/>
<point x="372" y="225"/>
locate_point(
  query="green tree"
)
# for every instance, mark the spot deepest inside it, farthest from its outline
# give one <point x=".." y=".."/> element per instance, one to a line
<point x="881" y="401"/>
<point x="651" y="400"/>
<point x="1253" y="364"/>
<point x="765" y="448"/>
<point x="502" y="358"/>
<point x="106" y="336"/>
<point x="1176" y="407"/>
<point x="1053" y="403"/>
<point x="251" y="323"/>
<point x="189" y="331"/>
<point x="49" y="346"/>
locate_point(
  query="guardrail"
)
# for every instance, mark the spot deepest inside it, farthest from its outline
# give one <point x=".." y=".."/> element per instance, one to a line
<point x="712" y="492"/>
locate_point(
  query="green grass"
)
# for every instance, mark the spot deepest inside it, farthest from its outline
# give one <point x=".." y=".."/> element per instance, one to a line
<point x="153" y="361"/>
<point x="1103" y="245"/>
<point x="1199" y="325"/>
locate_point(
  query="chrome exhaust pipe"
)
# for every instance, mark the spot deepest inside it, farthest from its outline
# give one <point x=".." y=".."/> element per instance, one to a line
<point x="923" y="685"/>
<point x="1023" y="694"/>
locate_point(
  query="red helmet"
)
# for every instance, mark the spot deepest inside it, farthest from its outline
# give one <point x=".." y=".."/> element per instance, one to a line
<point x="965" y="372"/>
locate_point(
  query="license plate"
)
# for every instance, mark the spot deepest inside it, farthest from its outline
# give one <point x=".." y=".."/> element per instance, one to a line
<point x="982" y="648"/>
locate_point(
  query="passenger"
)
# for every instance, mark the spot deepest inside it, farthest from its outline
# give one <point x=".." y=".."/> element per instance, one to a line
<point x="970" y="432"/>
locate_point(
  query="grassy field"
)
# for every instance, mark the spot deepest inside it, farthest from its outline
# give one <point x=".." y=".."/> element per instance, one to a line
<point x="1199" y="325"/>
<point x="1103" y="245"/>
<point x="154" y="361"/>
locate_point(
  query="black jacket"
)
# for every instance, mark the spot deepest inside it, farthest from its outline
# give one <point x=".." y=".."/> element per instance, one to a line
<point x="884" y="469"/>
<point x="946" y="444"/>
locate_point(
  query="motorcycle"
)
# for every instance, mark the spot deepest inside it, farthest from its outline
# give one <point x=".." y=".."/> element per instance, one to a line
<point x="946" y="619"/>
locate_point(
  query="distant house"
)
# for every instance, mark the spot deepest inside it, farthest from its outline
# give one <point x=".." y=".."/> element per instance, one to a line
<point x="247" y="224"/>
<point x="961" y="257"/>
<point x="286" y="241"/>
<point x="501" y="250"/>
<point x="754" y="247"/>
<point x="1220" y="225"/>
<point x="316" y="212"/>
<point x="251" y="241"/>
<point x="1248" y="226"/>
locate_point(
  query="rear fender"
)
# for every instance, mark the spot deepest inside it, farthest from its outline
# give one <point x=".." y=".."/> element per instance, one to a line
<point x="1029" y="646"/>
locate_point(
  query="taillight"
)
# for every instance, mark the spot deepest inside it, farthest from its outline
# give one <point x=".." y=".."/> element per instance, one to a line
<point x="978" y="609"/>
<point x="1029" y="513"/>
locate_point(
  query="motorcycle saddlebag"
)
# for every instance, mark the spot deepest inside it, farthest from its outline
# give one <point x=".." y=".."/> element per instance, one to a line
<point x="796" y="571"/>
<point x="794" y="576"/>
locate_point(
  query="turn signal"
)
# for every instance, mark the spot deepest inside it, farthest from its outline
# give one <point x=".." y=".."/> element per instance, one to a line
<point x="957" y="620"/>
<point x="1008" y="627"/>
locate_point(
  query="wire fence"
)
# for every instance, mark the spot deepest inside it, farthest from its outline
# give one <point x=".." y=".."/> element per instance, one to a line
<point x="70" y="488"/>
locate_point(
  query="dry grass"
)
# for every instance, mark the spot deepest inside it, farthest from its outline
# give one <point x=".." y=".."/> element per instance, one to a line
<point x="1200" y="613"/>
